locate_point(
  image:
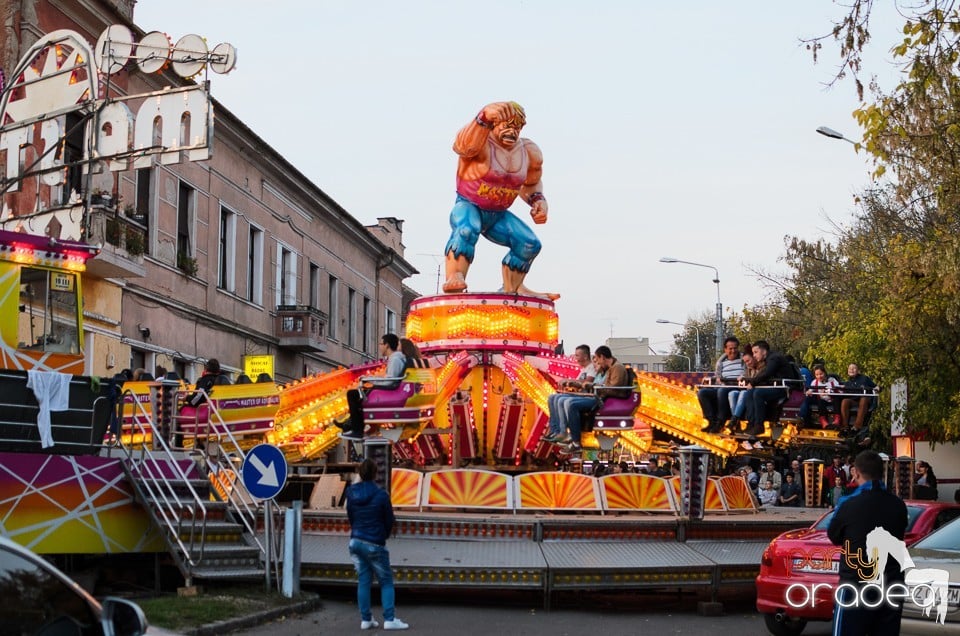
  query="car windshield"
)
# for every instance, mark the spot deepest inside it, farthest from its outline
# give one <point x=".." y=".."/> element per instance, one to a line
<point x="946" y="538"/>
<point x="913" y="512"/>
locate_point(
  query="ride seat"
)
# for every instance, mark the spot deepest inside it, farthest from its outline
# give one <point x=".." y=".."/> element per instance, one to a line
<point x="614" y="413"/>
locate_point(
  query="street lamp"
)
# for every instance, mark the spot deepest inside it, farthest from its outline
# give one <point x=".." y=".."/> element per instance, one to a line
<point x="718" y="327"/>
<point x="663" y="321"/>
<point x="833" y="134"/>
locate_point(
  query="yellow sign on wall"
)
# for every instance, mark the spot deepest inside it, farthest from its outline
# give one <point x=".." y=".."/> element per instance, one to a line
<point x="253" y="366"/>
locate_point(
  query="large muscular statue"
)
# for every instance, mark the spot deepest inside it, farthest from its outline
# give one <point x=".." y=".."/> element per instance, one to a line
<point x="496" y="166"/>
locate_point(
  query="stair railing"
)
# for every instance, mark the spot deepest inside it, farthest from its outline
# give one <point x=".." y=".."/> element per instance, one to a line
<point x="154" y="474"/>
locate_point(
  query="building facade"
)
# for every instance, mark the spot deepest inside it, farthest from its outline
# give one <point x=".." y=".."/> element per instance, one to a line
<point x="236" y="255"/>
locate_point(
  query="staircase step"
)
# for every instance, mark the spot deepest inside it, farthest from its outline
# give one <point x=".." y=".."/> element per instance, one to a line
<point x="227" y="573"/>
<point x="227" y="551"/>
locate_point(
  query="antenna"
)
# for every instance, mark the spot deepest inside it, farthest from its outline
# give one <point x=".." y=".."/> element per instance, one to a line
<point x="438" y="259"/>
<point x="611" y="321"/>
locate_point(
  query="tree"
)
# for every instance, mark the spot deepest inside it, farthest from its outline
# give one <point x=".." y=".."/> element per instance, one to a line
<point x="886" y="295"/>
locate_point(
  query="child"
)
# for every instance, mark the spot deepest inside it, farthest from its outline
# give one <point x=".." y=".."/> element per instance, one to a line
<point x="818" y="395"/>
<point x="834" y="494"/>
<point x="768" y="494"/>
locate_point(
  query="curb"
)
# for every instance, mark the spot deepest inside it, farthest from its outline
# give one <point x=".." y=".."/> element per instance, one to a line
<point x="310" y="602"/>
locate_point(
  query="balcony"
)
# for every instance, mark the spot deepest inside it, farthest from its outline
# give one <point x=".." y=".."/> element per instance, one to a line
<point x="301" y="328"/>
<point x="123" y="241"/>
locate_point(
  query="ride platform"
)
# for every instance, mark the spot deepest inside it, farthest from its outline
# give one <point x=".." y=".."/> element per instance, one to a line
<point x="547" y="553"/>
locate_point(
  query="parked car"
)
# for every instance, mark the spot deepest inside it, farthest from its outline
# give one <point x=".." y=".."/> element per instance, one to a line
<point x="40" y="600"/>
<point x="940" y="550"/>
<point x="797" y="560"/>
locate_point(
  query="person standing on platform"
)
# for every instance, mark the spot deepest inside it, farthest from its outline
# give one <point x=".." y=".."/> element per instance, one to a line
<point x="371" y="522"/>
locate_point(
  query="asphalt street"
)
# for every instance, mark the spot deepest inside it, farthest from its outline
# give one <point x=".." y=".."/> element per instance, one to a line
<point x="515" y="615"/>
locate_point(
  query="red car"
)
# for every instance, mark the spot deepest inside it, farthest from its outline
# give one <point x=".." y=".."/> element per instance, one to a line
<point x="795" y="562"/>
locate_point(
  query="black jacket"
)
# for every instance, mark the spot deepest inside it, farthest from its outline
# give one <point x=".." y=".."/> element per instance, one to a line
<point x="777" y="368"/>
<point x="870" y="506"/>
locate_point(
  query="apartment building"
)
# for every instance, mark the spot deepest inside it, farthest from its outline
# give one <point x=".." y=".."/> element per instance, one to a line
<point x="234" y="255"/>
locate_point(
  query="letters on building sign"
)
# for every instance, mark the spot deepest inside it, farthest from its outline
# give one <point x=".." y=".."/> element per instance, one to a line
<point x="52" y="112"/>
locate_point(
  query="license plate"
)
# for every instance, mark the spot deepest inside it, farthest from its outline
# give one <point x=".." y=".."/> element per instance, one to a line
<point x="814" y="566"/>
<point x="920" y="594"/>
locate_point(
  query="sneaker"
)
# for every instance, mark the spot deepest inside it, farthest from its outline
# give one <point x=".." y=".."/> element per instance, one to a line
<point x="836" y="420"/>
<point x="758" y="445"/>
<point x="370" y="624"/>
<point x="824" y="423"/>
<point x="563" y="440"/>
<point x="573" y="447"/>
<point x="351" y="437"/>
<point x="745" y="445"/>
<point x="396" y="623"/>
<point x="550" y="437"/>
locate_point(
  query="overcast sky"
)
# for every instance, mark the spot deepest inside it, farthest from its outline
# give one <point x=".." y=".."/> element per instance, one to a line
<point x="683" y="129"/>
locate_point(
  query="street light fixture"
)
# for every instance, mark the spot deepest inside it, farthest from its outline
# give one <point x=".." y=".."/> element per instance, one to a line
<point x="833" y="134"/>
<point x="663" y="321"/>
<point x="718" y="327"/>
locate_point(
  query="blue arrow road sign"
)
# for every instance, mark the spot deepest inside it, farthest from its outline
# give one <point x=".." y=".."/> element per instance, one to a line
<point x="264" y="471"/>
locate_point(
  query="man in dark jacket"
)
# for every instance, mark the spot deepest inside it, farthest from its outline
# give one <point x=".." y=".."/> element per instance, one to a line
<point x="869" y="508"/>
<point x="764" y="393"/>
<point x="371" y="522"/>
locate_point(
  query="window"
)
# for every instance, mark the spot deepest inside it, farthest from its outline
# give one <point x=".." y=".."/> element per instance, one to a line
<point x="314" y="295"/>
<point x="49" y="316"/>
<point x="186" y="203"/>
<point x="352" y="318"/>
<point x="367" y="327"/>
<point x="72" y="156"/>
<point x="255" y="266"/>
<point x="391" y="321"/>
<point x="333" y="308"/>
<point x="226" y="269"/>
<point x="286" y="276"/>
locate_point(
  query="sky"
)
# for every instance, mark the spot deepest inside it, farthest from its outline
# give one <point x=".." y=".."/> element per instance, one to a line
<point x="679" y="129"/>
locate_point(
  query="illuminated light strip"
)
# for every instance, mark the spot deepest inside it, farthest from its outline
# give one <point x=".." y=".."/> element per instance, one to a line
<point x="526" y="378"/>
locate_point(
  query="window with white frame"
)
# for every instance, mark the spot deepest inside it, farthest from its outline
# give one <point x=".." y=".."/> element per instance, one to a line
<point x="186" y="209"/>
<point x="226" y="266"/>
<point x="255" y="265"/>
<point x="367" y="325"/>
<point x="332" y="307"/>
<point x="391" y="321"/>
<point x="352" y="318"/>
<point x="286" y="281"/>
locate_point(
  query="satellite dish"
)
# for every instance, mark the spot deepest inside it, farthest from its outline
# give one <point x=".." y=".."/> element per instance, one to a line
<point x="153" y="52"/>
<point x="223" y="58"/>
<point x="114" y="48"/>
<point x="189" y="55"/>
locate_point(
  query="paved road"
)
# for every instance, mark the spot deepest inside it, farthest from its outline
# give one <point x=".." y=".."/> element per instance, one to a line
<point x="513" y="615"/>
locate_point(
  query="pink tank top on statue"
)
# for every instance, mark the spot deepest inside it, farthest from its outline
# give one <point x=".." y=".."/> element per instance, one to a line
<point x="497" y="189"/>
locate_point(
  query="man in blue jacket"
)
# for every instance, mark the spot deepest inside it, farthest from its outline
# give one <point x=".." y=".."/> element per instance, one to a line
<point x="371" y="522"/>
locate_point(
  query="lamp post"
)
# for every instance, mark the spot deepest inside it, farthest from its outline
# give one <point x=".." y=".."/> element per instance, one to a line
<point x="663" y="321"/>
<point x="718" y="327"/>
<point x="833" y="134"/>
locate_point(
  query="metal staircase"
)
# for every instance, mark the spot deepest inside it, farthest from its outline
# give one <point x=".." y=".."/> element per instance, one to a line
<point x="205" y="515"/>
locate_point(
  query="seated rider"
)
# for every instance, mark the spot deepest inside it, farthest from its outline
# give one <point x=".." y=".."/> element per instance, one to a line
<point x="610" y="373"/>
<point x="587" y="374"/>
<point x="818" y="396"/>
<point x="396" y="364"/>
<point x="212" y="376"/>
<point x="713" y="400"/>
<point x="763" y="394"/>
<point x="857" y="383"/>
